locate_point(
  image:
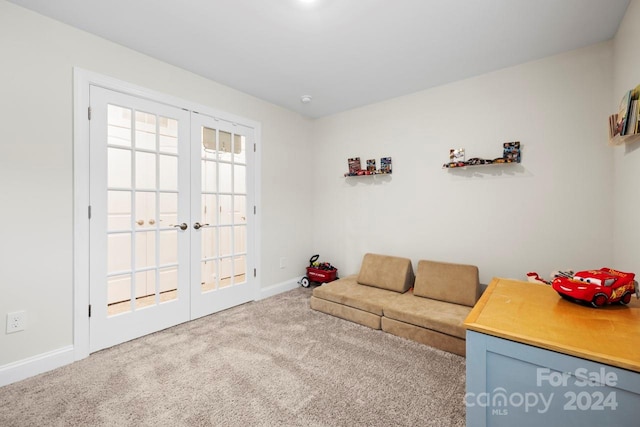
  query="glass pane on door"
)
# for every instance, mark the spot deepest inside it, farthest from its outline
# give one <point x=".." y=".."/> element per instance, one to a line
<point x="168" y="138"/>
<point x="142" y="241"/>
<point x="223" y="210"/>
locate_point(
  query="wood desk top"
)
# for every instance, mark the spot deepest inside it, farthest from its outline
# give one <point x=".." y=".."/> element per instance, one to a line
<point x="534" y="314"/>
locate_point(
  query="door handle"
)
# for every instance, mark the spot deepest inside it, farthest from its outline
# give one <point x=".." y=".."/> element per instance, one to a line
<point x="198" y="226"/>
<point x="182" y="226"/>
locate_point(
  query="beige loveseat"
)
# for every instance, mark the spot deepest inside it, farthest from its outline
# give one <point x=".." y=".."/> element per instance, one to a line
<point x="431" y="313"/>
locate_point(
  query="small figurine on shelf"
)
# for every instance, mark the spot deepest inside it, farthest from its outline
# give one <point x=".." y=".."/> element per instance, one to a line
<point x="371" y="166"/>
<point x="456" y="155"/>
<point x="512" y="151"/>
<point x="385" y="165"/>
<point x="354" y="165"/>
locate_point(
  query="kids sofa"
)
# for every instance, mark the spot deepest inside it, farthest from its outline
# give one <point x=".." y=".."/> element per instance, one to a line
<point x="431" y="313"/>
<point x="361" y="298"/>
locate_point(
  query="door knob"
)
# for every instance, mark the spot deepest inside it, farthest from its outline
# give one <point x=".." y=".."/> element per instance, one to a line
<point x="140" y="222"/>
<point x="152" y="221"/>
<point x="182" y="226"/>
<point x="198" y="226"/>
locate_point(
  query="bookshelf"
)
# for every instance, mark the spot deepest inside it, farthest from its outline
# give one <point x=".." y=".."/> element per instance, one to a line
<point x="624" y="127"/>
<point x="624" y="139"/>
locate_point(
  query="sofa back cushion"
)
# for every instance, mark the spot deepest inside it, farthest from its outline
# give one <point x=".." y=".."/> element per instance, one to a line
<point x="386" y="272"/>
<point x="456" y="283"/>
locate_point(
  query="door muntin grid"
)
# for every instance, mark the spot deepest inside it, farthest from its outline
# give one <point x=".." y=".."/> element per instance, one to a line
<point x="142" y="206"/>
<point x="223" y="209"/>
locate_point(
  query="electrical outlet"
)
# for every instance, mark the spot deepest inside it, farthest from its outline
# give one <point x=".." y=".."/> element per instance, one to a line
<point x="16" y="321"/>
<point x="283" y="262"/>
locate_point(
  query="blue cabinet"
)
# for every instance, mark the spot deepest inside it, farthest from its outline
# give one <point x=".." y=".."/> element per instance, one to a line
<point x="514" y="384"/>
<point x="535" y="359"/>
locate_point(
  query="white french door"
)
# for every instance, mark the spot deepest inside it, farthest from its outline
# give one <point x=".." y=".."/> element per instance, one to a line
<point x="222" y="182"/>
<point x="170" y="236"/>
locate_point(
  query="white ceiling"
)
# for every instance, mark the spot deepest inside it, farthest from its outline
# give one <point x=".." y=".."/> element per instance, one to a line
<point x="344" y="53"/>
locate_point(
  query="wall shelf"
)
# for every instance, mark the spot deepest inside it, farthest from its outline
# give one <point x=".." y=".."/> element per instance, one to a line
<point x="624" y="127"/>
<point x="624" y="139"/>
<point x="349" y="175"/>
<point x="446" y="165"/>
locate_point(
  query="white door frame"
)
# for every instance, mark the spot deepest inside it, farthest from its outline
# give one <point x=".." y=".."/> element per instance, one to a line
<point x="83" y="79"/>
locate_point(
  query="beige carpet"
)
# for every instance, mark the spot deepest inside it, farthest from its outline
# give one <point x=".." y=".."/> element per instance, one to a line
<point x="274" y="362"/>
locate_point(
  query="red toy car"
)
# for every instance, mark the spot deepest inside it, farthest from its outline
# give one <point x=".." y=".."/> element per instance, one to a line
<point x="598" y="287"/>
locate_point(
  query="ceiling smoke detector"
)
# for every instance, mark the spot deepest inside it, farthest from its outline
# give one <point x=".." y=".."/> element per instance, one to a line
<point x="305" y="99"/>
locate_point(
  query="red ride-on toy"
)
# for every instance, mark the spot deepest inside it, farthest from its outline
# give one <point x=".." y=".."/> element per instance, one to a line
<point x="319" y="272"/>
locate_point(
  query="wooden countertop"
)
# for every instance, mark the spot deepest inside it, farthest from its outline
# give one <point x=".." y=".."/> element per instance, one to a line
<point x="534" y="314"/>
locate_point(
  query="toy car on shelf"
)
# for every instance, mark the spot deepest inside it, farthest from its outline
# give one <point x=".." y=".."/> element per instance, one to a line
<point x="322" y="272"/>
<point x="598" y="287"/>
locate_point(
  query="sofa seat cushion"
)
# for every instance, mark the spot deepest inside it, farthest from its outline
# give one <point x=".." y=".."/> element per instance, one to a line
<point x="428" y="313"/>
<point x="349" y="292"/>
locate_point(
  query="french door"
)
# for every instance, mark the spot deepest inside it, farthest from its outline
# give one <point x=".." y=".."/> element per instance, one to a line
<point x="222" y="182"/>
<point x="170" y="235"/>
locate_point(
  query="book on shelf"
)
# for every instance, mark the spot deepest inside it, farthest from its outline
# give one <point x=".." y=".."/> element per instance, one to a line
<point x="354" y="165"/>
<point x="623" y="113"/>
<point x="613" y="120"/>
<point x="632" y="121"/>
<point x="628" y="113"/>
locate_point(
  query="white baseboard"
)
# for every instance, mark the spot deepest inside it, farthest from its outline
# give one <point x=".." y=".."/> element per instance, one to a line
<point x="23" y="369"/>
<point x="278" y="288"/>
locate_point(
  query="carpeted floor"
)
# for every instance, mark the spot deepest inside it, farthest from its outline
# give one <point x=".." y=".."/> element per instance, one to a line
<point x="274" y="362"/>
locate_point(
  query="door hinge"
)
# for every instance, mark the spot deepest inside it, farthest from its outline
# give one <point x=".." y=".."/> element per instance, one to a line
<point x="89" y="113"/>
<point x="89" y="211"/>
<point x="254" y="147"/>
<point x="254" y="209"/>
<point x="254" y="272"/>
<point x="89" y="310"/>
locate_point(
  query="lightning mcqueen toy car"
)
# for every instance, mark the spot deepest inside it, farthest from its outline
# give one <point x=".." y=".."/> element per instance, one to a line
<point x="598" y="287"/>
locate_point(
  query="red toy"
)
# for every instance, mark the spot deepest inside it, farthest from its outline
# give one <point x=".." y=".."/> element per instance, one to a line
<point x="318" y="272"/>
<point x="598" y="287"/>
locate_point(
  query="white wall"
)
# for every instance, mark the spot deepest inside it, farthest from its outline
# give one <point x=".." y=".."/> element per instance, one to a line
<point x="36" y="143"/>
<point x="627" y="158"/>
<point x="552" y="211"/>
